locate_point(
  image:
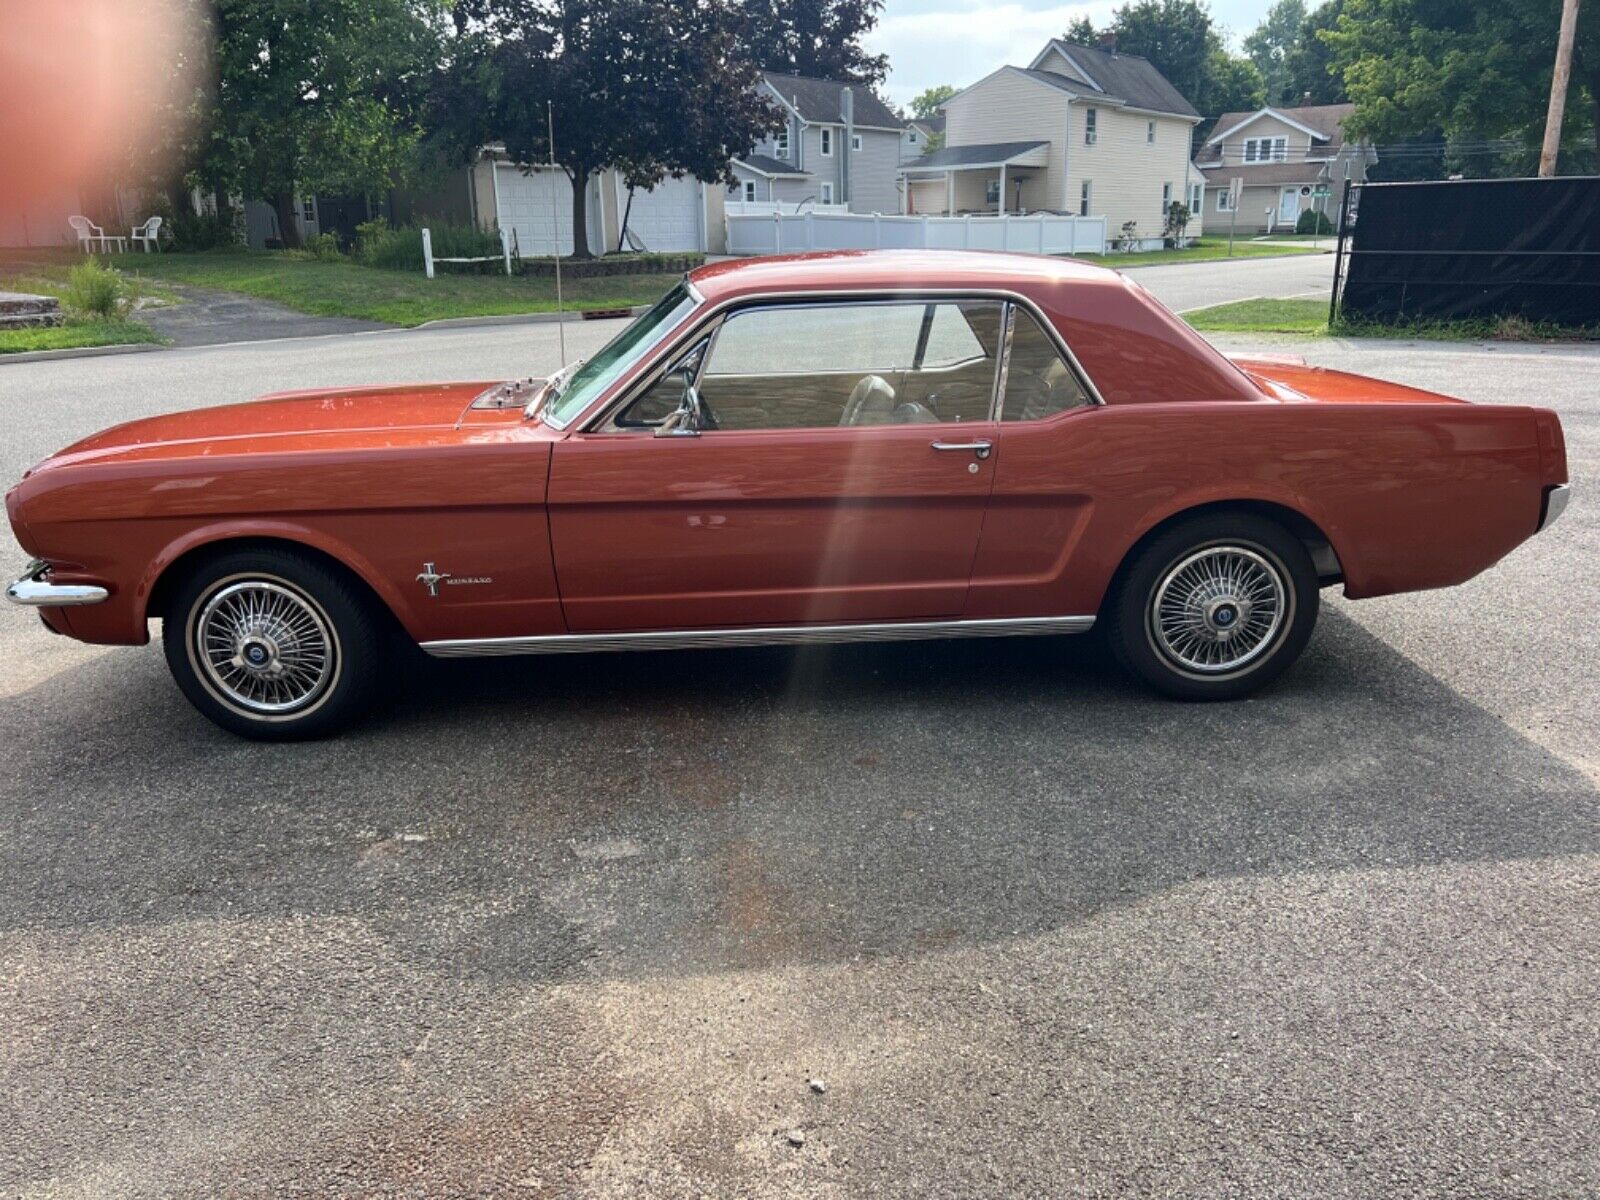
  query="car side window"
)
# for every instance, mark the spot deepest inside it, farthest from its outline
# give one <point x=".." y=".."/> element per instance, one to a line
<point x="663" y="397"/>
<point x="913" y="362"/>
<point x="1039" y="383"/>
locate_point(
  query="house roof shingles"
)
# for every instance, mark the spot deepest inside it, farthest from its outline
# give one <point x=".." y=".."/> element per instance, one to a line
<point x="1126" y="77"/>
<point x="1324" y="118"/>
<point x="1265" y="173"/>
<point x="820" y="101"/>
<point x="969" y="156"/>
<point x="767" y="165"/>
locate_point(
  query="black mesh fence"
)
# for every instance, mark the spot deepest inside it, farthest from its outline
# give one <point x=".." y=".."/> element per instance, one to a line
<point x="1469" y="249"/>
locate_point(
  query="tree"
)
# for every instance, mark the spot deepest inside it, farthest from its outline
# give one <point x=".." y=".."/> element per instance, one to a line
<point x="649" y="87"/>
<point x="1308" y="64"/>
<point x="315" y="95"/>
<point x="1269" y="45"/>
<point x="1476" y="69"/>
<point x="818" y="38"/>
<point x="1179" y="39"/>
<point x="927" y="103"/>
<point x="1081" y="32"/>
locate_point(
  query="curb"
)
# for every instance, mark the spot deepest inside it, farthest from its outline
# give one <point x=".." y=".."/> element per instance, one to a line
<point x="80" y="352"/>
<point x="538" y="318"/>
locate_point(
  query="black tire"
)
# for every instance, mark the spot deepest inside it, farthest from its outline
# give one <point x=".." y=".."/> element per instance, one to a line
<point x="313" y="632"/>
<point x="1164" y="637"/>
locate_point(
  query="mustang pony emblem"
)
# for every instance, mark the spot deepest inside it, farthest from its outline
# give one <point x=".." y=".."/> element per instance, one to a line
<point x="431" y="578"/>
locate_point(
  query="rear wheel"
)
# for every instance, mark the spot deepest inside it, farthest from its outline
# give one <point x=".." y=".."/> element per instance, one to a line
<point x="271" y="645"/>
<point x="1215" y="607"/>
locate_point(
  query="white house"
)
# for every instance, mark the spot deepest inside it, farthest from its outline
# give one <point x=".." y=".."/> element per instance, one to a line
<point x="1080" y="130"/>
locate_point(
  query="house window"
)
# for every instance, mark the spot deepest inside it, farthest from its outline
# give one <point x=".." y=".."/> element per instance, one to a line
<point x="1085" y="192"/>
<point x="1090" y="124"/>
<point x="308" y="210"/>
<point x="1166" y="197"/>
<point x="1150" y="133"/>
<point x="1224" y="200"/>
<point x="1266" y="149"/>
<point x="991" y="192"/>
<point x="912" y="137"/>
<point x="827" y="142"/>
<point x="780" y="144"/>
<point x="855" y="141"/>
<point x="749" y="191"/>
<point x="827" y="190"/>
<point x="1196" y="197"/>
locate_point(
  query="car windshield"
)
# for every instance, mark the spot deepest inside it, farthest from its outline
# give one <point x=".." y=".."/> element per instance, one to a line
<point x="572" y="392"/>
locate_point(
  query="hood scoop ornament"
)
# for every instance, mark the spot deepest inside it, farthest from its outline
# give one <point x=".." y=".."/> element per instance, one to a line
<point x="514" y="393"/>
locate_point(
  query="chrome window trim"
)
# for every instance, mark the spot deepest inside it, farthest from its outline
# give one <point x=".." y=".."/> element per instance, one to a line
<point x="1002" y="366"/>
<point x="770" y="635"/>
<point x="600" y="413"/>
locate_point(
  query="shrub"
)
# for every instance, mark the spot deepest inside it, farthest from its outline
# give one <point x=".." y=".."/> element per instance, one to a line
<point x="1312" y="221"/>
<point x="96" y="291"/>
<point x="401" y="249"/>
<point x="206" y="231"/>
<point x="324" y="247"/>
<point x="1128" y="240"/>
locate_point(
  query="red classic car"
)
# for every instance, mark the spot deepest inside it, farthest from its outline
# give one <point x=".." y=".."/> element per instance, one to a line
<point x="829" y="448"/>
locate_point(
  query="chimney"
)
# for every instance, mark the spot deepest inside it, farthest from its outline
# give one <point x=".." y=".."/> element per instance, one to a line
<point x="1108" y="41"/>
<point x="847" y="109"/>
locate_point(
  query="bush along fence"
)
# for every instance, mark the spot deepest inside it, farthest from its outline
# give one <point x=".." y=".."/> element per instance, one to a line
<point x="429" y="258"/>
<point x="1041" y="233"/>
<point x="613" y="264"/>
<point x="1470" y="249"/>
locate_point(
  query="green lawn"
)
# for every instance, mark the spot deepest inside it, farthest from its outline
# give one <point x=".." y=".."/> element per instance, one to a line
<point x="1262" y="316"/>
<point x="346" y="289"/>
<point x="74" y="335"/>
<point x="1204" y="250"/>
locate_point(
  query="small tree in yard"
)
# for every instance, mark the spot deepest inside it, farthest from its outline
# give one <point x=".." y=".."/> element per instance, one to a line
<point x="649" y="87"/>
<point x="1177" y="220"/>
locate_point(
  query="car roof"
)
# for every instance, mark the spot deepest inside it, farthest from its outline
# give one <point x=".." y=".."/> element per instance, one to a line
<point x="894" y="270"/>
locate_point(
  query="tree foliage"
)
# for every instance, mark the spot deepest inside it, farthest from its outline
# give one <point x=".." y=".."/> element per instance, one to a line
<point x="1270" y="44"/>
<point x="1475" y="69"/>
<point x="818" y="38"/>
<point x="315" y="95"/>
<point x="926" y="104"/>
<point x="1310" y="77"/>
<point x="649" y="87"/>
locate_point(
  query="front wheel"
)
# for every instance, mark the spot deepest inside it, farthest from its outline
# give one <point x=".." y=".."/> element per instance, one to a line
<point x="271" y="645"/>
<point x="1215" y="607"/>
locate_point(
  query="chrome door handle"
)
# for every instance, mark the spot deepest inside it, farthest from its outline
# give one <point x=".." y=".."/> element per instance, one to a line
<point x="981" y="449"/>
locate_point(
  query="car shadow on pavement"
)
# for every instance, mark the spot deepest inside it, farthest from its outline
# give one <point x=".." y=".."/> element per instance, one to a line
<point x="626" y="815"/>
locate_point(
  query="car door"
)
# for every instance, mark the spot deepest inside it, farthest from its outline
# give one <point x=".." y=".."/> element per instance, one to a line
<point x="841" y="472"/>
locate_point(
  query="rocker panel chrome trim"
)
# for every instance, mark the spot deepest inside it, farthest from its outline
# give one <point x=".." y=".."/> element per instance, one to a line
<point x="777" y="635"/>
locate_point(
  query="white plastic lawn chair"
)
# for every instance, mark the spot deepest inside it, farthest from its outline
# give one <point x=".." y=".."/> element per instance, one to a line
<point x="89" y="233"/>
<point x="148" y="235"/>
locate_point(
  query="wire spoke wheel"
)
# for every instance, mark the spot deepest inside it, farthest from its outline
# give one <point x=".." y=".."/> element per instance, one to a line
<point x="265" y="648"/>
<point x="1219" y="609"/>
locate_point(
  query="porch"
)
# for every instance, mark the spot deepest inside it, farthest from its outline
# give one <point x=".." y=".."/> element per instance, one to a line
<point x="994" y="178"/>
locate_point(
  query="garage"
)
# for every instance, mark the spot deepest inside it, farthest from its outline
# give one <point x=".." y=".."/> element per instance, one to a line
<point x="670" y="216"/>
<point x="537" y="208"/>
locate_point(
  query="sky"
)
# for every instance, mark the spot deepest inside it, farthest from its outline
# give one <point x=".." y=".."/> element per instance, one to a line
<point x="960" y="41"/>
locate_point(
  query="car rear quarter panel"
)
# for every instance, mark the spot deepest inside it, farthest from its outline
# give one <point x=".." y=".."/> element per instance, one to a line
<point x="1410" y="496"/>
<point x="472" y="505"/>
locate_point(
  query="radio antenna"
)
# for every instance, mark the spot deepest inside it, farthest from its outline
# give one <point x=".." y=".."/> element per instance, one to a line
<point x="555" y="223"/>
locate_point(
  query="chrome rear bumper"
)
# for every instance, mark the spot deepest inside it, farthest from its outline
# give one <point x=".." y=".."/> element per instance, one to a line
<point x="1555" y="503"/>
<point x="35" y="591"/>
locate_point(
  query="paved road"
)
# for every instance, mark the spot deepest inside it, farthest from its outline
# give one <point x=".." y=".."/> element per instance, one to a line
<point x="588" y="926"/>
<point x="1183" y="286"/>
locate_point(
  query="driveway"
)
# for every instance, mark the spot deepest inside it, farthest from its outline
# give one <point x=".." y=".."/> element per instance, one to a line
<point x="589" y="926"/>
<point x="208" y="317"/>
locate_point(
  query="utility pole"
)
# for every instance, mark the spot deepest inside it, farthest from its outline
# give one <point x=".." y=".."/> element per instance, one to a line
<point x="1558" y="89"/>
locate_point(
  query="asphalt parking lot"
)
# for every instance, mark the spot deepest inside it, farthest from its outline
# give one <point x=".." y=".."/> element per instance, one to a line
<point x="589" y="926"/>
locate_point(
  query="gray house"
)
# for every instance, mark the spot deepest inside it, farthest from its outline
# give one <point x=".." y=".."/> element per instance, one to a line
<point x="840" y="145"/>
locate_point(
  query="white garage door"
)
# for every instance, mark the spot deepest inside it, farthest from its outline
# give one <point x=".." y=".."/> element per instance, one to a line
<point x="668" y="216"/>
<point x="537" y="208"/>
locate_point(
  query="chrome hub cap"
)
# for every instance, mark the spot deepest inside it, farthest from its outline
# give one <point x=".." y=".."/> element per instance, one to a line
<point x="1219" y="609"/>
<point x="265" y="648"/>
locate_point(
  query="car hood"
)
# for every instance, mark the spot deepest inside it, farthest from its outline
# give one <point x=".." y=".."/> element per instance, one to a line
<point x="356" y="411"/>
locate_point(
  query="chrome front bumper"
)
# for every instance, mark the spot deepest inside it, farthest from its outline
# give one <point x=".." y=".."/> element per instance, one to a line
<point x="1555" y="503"/>
<point x="34" y="590"/>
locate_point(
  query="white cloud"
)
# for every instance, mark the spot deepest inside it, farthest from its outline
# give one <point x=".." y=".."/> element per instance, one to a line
<point x="960" y="43"/>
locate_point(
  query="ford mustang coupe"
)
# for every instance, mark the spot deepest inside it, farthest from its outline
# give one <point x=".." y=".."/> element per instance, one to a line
<point x="829" y="448"/>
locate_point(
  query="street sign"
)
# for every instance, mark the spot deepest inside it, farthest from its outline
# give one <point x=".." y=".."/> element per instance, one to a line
<point x="1235" y="192"/>
<point x="1321" y="193"/>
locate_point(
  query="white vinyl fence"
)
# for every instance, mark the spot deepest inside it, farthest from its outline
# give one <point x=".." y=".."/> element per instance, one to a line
<point x="747" y="208"/>
<point x="1042" y="233"/>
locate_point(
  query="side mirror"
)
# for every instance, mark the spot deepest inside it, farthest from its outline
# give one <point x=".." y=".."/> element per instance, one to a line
<point x="685" y="420"/>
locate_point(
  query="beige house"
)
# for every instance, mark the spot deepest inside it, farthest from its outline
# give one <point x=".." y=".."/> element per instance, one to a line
<point x="1285" y="159"/>
<point x="1080" y="130"/>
